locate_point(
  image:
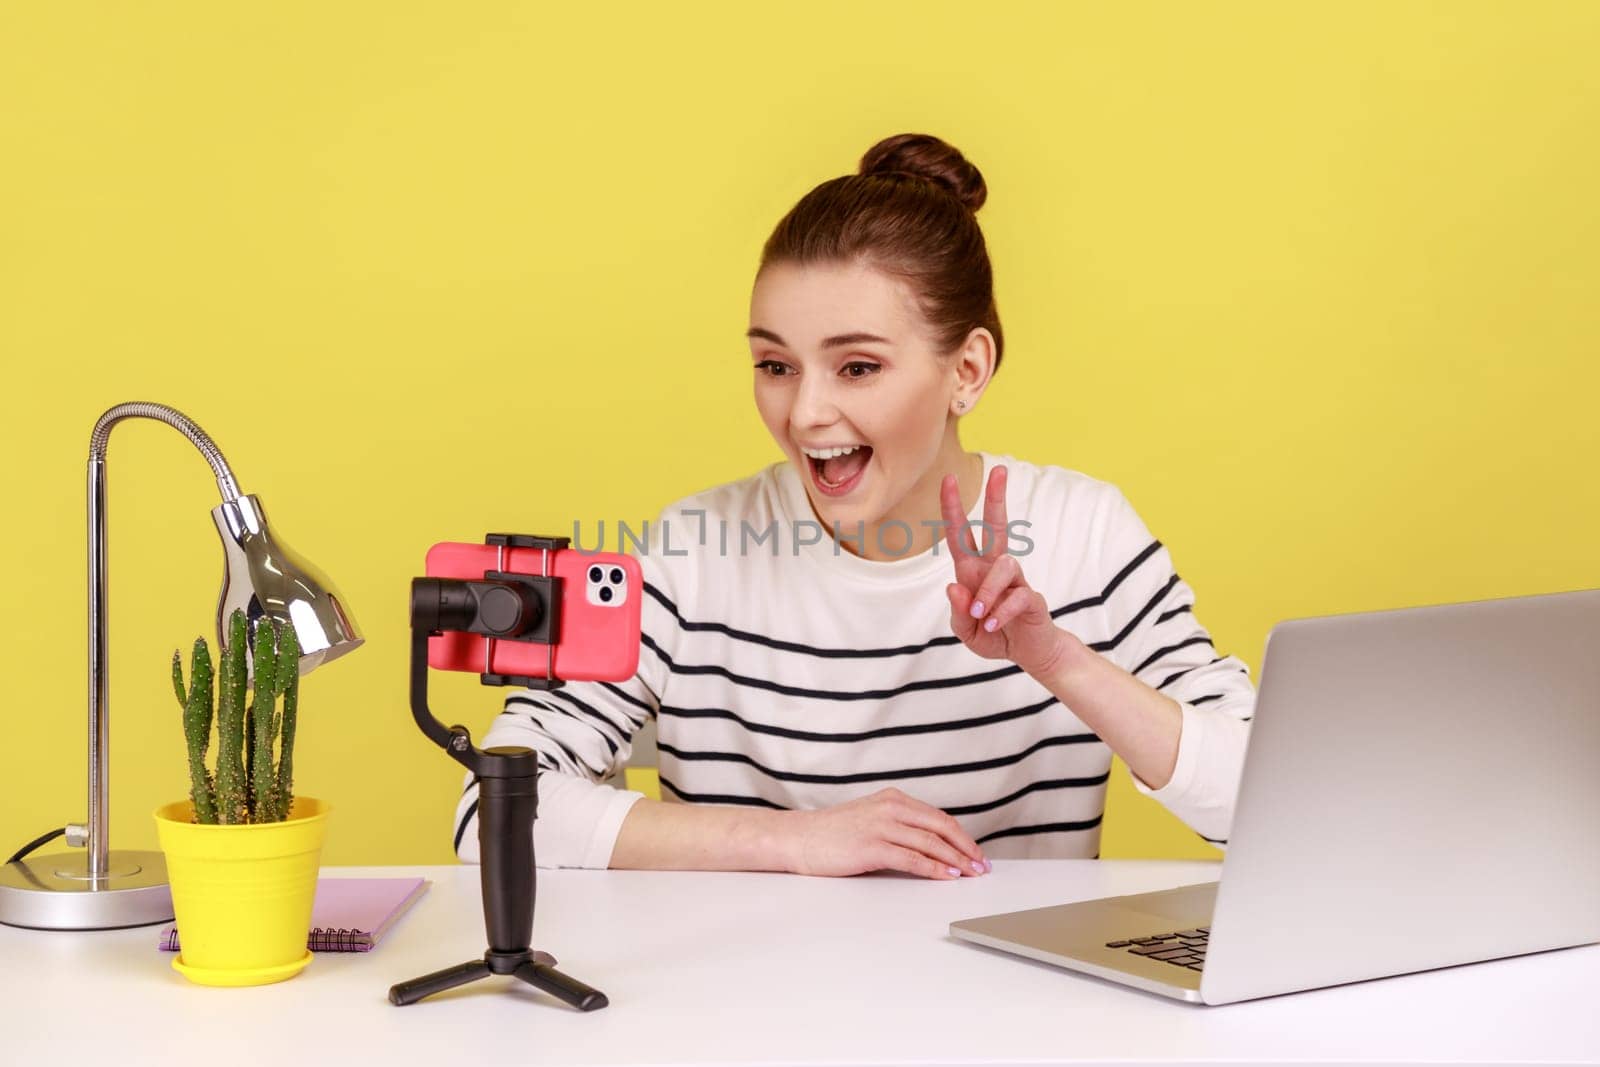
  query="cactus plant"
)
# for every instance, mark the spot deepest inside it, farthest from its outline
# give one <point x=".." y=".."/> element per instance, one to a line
<point x="231" y="767"/>
<point x="289" y="686"/>
<point x="196" y="705"/>
<point x="262" y="711"/>
<point x="254" y="777"/>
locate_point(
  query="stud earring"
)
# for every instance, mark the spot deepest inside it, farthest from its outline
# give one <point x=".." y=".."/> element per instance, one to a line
<point x="961" y="405"/>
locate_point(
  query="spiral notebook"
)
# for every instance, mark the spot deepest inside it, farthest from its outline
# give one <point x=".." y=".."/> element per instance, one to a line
<point x="347" y="914"/>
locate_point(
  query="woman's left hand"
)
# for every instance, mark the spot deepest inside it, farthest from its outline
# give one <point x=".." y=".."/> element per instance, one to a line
<point x="1012" y="619"/>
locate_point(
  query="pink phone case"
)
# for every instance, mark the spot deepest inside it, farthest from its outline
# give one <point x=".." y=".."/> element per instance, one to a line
<point x="599" y="635"/>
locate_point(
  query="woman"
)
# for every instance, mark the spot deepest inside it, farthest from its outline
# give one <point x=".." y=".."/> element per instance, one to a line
<point x="887" y="652"/>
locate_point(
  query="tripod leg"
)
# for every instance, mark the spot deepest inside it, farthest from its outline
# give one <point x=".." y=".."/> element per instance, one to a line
<point x="410" y="992"/>
<point x="562" y="987"/>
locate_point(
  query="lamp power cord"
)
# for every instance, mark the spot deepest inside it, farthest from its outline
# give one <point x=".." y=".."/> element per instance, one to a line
<point x="42" y="839"/>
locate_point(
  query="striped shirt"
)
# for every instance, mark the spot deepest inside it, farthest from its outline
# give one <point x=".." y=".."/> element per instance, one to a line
<point x="786" y="672"/>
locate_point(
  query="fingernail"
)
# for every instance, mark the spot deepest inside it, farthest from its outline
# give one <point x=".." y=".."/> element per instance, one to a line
<point x="988" y="864"/>
<point x="954" y="872"/>
<point x="977" y="609"/>
<point x="990" y="624"/>
<point x="977" y="868"/>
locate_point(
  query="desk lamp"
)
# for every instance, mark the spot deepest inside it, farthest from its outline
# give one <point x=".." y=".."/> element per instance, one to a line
<point x="101" y="889"/>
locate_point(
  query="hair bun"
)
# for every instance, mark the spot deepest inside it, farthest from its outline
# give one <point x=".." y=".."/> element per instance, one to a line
<point x="929" y="158"/>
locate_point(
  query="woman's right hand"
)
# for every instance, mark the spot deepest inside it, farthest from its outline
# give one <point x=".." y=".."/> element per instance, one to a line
<point x="887" y="830"/>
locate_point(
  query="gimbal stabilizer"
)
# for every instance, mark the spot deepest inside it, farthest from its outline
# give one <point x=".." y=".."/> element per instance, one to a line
<point x="506" y="607"/>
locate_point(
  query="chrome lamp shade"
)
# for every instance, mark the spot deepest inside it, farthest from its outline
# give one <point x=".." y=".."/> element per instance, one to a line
<point x="97" y="888"/>
<point x="264" y="577"/>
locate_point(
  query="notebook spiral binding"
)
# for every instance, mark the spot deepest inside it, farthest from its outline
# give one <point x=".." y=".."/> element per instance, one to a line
<point x="321" y="939"/>
<point x="338" y="939"/>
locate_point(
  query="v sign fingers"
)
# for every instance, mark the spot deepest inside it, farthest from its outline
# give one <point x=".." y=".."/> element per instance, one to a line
<point x="993" y="610"/>
<point x="956" y="535"/>
<point x="970" y="559"/>
<point x="994" y="514"/>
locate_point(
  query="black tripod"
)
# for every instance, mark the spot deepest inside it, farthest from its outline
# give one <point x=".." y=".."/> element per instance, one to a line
<point x="509" y="607"/>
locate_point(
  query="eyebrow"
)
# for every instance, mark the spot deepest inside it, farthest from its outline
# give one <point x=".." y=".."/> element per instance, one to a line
<point x="831" y="342"/>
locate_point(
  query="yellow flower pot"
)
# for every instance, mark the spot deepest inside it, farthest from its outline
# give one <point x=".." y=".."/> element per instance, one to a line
<point x="242" y="895"/>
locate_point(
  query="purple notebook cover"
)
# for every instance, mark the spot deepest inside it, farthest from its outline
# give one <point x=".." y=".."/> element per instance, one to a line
<point x="348" y="914"/>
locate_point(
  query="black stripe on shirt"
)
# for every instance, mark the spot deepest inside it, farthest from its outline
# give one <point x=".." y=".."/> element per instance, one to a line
<point x="1169" y="679"/>
<point x="1031" y="787"/>
<point x="813" y="650"/>
<point x="875" y="694"/>
<point x="571" y="714"/>
<point x="878" y="694"/>
<point x="1198" y="639"/>
<point x="881" y="776"/>
<point x="631" y="699"/>
<point x="898" y="650"/>
<point x="827" y="694"/>
<point x="966" y="809"/>
<point x="1133" y="623"/>
<point x="624" y="729"/>
<point x="718" y="798"/>
<point x="1179" y="610"/>
<point x="1111" y="586"/>
<point x="668" y="711"/>
<point x="472" y="809"/>
<point x="605" y="724"/>
<point x="1043" y="828"/>
<point x="1216" y="696"/>
<point x="553" y="739"/>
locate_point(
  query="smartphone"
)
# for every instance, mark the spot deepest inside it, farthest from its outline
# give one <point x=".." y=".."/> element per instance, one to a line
<point x="598" y="638"/>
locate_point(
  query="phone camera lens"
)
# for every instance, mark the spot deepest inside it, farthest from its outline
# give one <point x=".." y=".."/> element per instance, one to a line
<point x="605" y="594"/>
<point x="595" y="574"/>
<point x="616" y="575"/>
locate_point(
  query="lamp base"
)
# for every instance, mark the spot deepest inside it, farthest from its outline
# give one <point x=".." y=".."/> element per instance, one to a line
<point x="54" y="892"/>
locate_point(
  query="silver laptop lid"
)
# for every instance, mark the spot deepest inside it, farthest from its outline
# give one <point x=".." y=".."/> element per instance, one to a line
<point x="1420" y="790"/>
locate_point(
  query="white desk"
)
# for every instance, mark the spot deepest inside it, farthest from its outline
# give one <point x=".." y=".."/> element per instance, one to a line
<point x="763" y="968"/>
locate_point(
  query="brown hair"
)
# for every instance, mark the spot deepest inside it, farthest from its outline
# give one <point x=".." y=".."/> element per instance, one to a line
<point x="910" y="212"/>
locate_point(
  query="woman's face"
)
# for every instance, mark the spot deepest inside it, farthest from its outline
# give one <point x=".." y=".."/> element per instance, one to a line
<point x="843" y="357"/>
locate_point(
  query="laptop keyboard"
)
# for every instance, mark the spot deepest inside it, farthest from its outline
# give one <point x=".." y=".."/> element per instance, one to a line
<point x="1184" y="948"/>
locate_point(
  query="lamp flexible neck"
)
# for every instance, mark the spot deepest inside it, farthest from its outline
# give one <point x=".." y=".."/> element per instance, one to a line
<point x="178" y="421"/>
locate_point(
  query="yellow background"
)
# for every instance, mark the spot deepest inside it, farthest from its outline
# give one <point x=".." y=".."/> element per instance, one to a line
<point x="1315" y="285"/>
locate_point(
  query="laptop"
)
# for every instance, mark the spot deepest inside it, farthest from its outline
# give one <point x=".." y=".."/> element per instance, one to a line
<point x="1419" y="791"/>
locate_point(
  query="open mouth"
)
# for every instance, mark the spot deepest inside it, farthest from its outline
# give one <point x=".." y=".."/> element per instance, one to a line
<point x="840" y="474"/>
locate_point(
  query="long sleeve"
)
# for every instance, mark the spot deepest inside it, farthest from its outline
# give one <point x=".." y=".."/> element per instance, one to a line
<point x="1159" y="640"/>
<point x="583" y="732"/>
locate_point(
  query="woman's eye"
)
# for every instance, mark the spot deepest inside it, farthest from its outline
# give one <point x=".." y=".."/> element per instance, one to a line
<point x="854" y="371"/>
